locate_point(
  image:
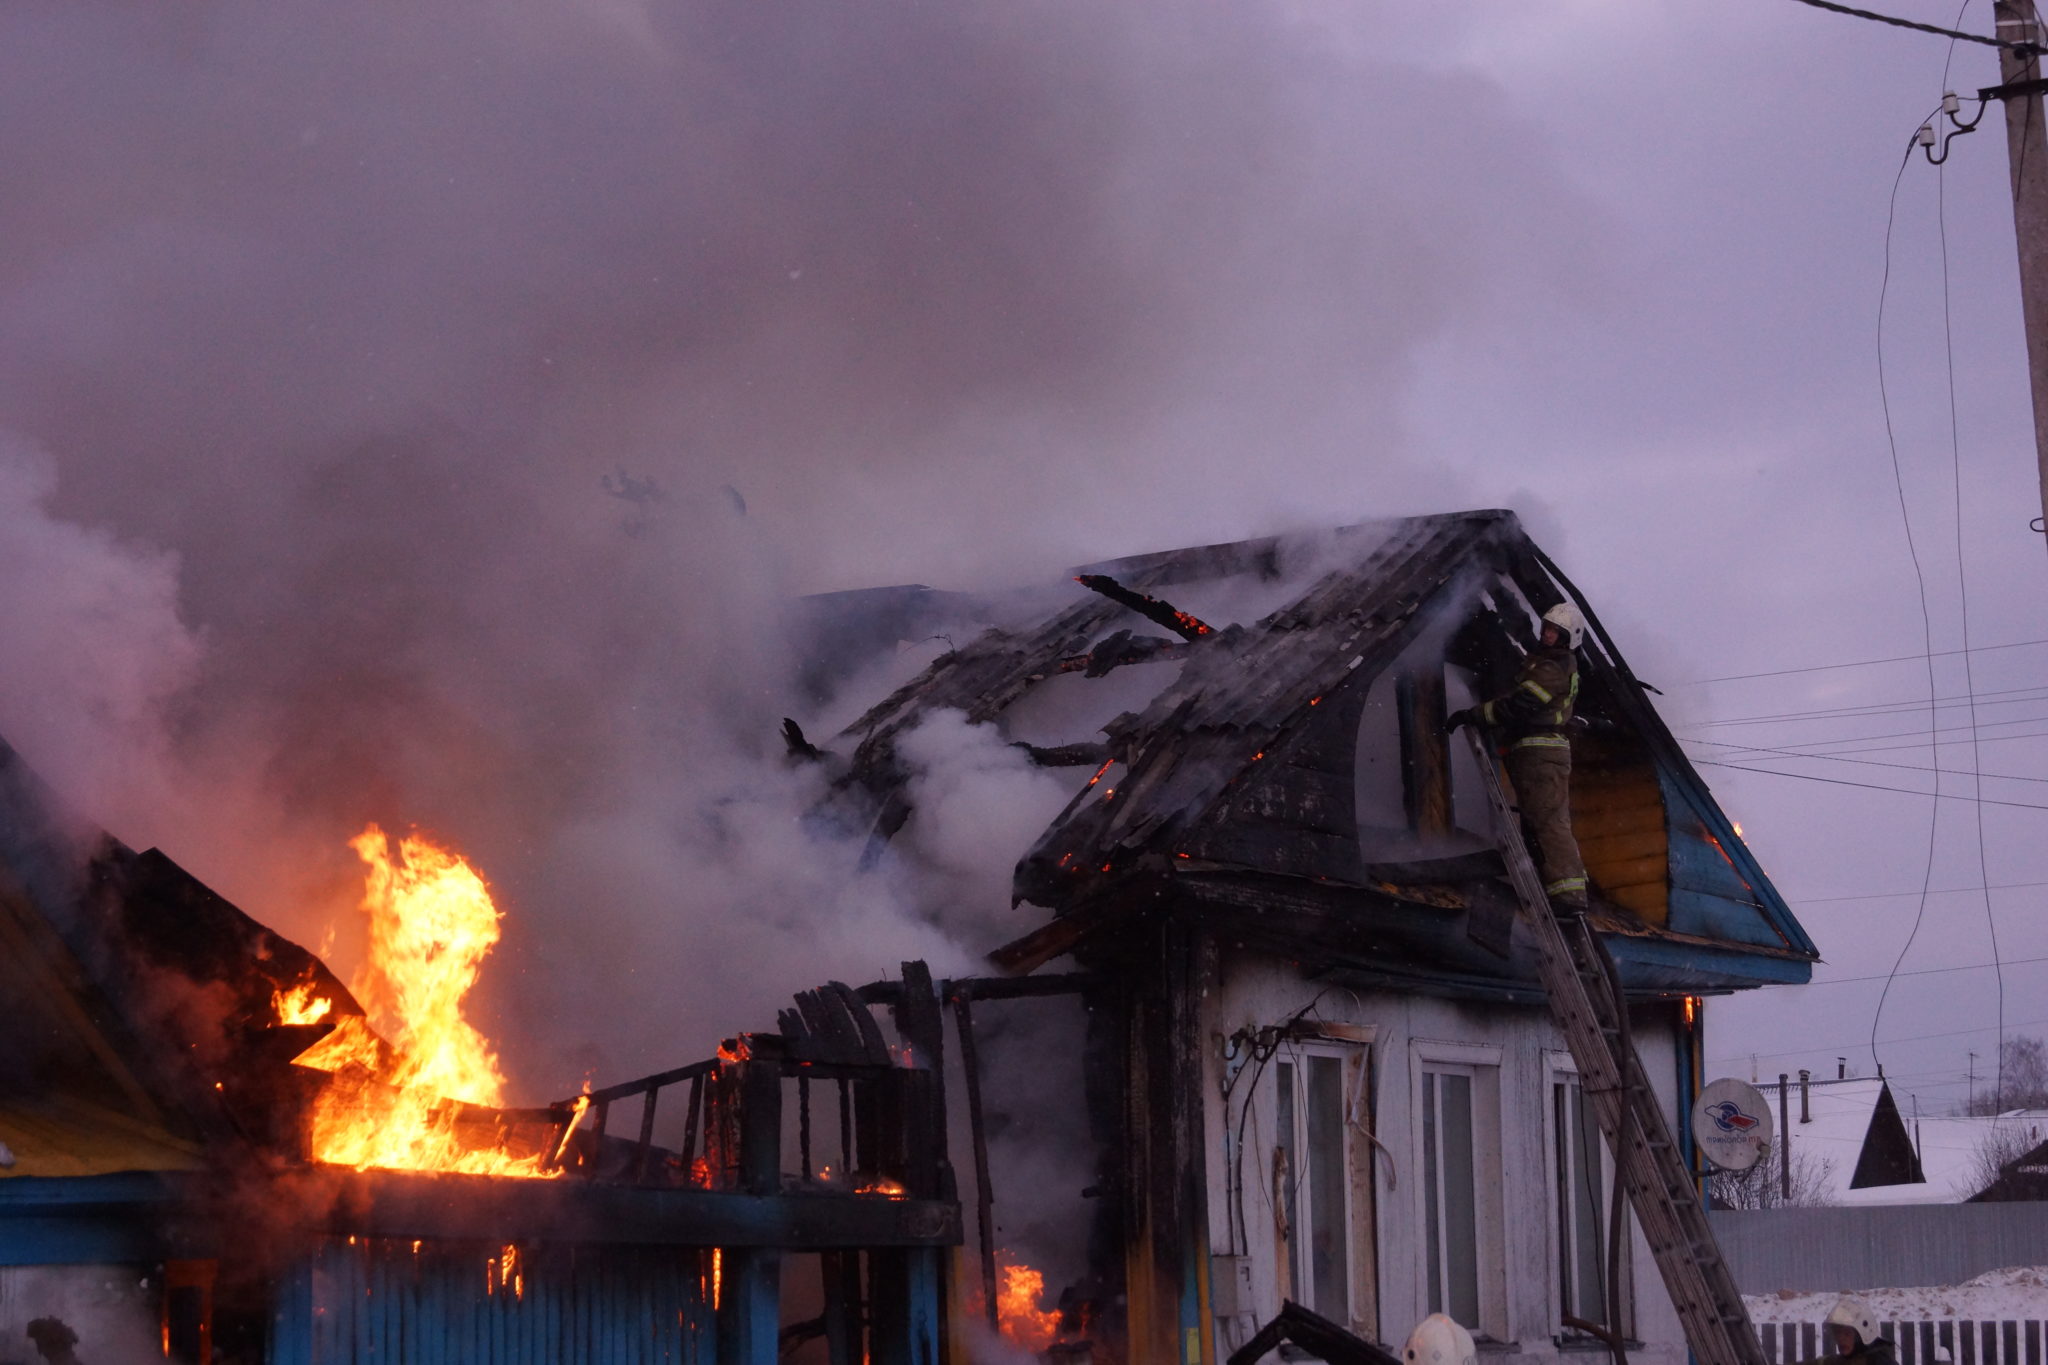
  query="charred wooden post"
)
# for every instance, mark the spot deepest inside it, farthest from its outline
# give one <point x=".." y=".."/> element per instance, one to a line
<point x="646" y="1143"/>
<point x="984" y="1187"/>
<point x="845" y="1340"/>
<point x="1426" y="752"/>
<point x="749" y="1309"/>
<point x="1165" y="1205"/>
<point x="1160" y="613"/>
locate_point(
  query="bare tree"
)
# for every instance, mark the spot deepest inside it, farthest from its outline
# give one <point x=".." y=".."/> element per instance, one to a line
<point x="2001" y="1144"/>
<point x="1761" y="1186"/>
<point x="2021" y="1081"/>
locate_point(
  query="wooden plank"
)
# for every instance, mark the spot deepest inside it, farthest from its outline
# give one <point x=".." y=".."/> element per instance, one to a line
<point x="403" y="1204"/>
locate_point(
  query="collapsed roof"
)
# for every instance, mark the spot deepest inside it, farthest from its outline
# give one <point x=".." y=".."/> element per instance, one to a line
<point x="1283" y="773"/>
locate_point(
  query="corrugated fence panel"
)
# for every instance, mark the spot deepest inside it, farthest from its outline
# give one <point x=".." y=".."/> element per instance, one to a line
<point x="365" y="1302"/>
<point x="1898" y="1245"/>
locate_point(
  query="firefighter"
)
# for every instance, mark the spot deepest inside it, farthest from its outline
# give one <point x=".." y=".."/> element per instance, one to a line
<point x="1437" y="1340"/>
<point x="1532" y="718"/>
<point x="1851" y="1330"/>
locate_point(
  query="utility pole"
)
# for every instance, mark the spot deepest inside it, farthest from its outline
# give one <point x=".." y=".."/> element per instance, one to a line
<point x="2026" y="145"/>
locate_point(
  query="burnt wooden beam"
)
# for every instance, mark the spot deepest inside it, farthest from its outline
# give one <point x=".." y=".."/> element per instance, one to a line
<point x="1021" y="987"/>
<point x="1189" y="628"/>
<point x="1314" y="1333"/>
<point x="1083" y="755"/>
<point x="1021" y="957"/>
<point x="1425" y="751"/>
<point x="410" y="1204"/>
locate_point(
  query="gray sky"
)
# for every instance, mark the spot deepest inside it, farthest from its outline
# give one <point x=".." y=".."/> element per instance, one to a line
<point x="320" y="332"/>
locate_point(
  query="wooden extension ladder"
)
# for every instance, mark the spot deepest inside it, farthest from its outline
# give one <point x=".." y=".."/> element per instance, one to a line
<point x="1584" y="1000"/>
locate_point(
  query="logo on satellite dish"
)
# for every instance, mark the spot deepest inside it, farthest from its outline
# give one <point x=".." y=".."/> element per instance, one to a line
<point x="1731" y="1123"/>
<point x="1729" y="1118"/>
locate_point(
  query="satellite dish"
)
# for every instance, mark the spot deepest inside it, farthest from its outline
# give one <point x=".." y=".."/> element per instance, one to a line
<point x="1732" y="1124"/>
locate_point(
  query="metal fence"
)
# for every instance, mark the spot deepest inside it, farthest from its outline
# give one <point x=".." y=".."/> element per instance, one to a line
<point x="1831" y="1250"/>
<point x="2017" y="1342"/>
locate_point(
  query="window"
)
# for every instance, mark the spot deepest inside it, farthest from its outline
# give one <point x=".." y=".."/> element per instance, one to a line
<point x="1321" y="1167"/>
<point x="1582" y="1183"/>
<point x="1450" y="1192"/>
<point x="1460" y="1215"/>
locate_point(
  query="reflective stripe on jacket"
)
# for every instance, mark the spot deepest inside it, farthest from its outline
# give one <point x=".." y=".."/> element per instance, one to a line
<point x="1534" y="713"/>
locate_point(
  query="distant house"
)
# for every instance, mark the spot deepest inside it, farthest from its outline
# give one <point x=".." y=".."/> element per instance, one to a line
<point x="1859" y="1147"/>
<point x="1321" y="1067"/>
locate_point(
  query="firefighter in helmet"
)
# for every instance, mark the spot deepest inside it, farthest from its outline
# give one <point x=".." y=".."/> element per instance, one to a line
<point x="1851" y="1334"/>
<point x="1437" y="1340"/>
<point x="1531" y="718"/>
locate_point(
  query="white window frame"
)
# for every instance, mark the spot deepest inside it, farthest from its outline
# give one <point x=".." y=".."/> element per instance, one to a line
<point x="1350" y="1046"/>
<point x="1481" y="1064"/>
<point x="1561" y="1069"/>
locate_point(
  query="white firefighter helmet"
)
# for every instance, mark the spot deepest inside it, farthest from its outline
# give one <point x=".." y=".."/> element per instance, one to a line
<point x="1569" y="621"/>
<point x="1437" y="1340"/>
<point x="1854" y="1314"/>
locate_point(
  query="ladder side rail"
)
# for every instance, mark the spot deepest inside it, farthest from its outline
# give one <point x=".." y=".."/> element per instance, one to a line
<point x="1658" y="1184"/>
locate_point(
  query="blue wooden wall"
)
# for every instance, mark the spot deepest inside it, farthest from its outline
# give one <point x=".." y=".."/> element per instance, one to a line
<point x="380" y="1300"/>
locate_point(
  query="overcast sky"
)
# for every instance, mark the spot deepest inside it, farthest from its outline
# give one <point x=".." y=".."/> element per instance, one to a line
<point x="330" y="340"/>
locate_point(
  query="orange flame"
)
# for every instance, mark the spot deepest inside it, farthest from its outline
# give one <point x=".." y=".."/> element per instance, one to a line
<point x="431" y="923"/>
<point x="299" y="1005"/>
<point x="889" y="1189"/>
<point x="1017" y="1298"/>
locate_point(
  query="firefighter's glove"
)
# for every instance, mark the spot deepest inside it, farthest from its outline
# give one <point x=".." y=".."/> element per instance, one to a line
<point x="1458" y="720"/>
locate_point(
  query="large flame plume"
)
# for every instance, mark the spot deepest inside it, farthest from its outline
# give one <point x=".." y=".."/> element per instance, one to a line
<point x="431" y="923"/>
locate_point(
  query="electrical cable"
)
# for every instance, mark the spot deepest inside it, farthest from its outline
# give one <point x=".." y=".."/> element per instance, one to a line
<point x="1902" y="1038"/>
<point x="1917" y="971"/>
<point x="1955" y="454"/>
<point x="1952" y="35"/>
<point x="1813" y="746"/>
<point x="1919" y="576"/>
<point x="1854" y="663"/>
<point x="1862" y="762"/>
<point x="1876" y="787"/>
<point x="1892" y="895"/>
<point x="1885" y="708"/>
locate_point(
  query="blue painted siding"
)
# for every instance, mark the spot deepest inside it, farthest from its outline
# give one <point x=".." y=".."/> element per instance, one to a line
<point x="1717" y="888"/>
<point x="379" y="1300"/>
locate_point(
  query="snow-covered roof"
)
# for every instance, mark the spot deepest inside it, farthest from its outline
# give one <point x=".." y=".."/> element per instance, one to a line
<point x="1840" y="1113"/>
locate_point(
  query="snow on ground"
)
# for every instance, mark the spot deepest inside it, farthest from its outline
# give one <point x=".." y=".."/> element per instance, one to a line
<point x="2019" y="1292"/>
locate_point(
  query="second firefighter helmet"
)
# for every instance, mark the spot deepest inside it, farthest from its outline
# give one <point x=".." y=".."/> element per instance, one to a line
<point x="1569" y="621"/>
<point x="1437" y="1340"/>
<point x="1854" y="1314"/>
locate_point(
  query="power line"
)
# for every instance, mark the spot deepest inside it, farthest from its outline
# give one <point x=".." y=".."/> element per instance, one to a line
<point x="1927" y="737"/>
<point x="1892" y="895"/>
<point x="1885" y="708"/>
<point x="1858" y="663"/>
<point x="1917" y="971"/>
<point x="1902" y="1038"/>
<point x="1865" y="762"/>
<point x="1920" y="580"/>
<point x="1896" y="22"/>
<point x="1870" y="786"/>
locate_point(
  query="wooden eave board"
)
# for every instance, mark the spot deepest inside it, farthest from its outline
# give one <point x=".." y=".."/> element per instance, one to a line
<point x="58" y="1135"/>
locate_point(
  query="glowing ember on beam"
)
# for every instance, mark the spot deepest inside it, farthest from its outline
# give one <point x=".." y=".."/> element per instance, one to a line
<point x="1188" y="627"/>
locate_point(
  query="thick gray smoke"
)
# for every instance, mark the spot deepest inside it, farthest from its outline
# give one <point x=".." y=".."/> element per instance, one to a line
<point x="420" y="416"/>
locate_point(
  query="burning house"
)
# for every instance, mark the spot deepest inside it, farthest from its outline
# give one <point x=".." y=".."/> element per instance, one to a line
<point x="1320" y="1070"/>
<point x="208" y="1155"/>
<point x="1300" y="1053"/>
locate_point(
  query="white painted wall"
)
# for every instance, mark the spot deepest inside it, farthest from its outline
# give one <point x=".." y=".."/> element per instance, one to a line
<point x="1251" y="992"/>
